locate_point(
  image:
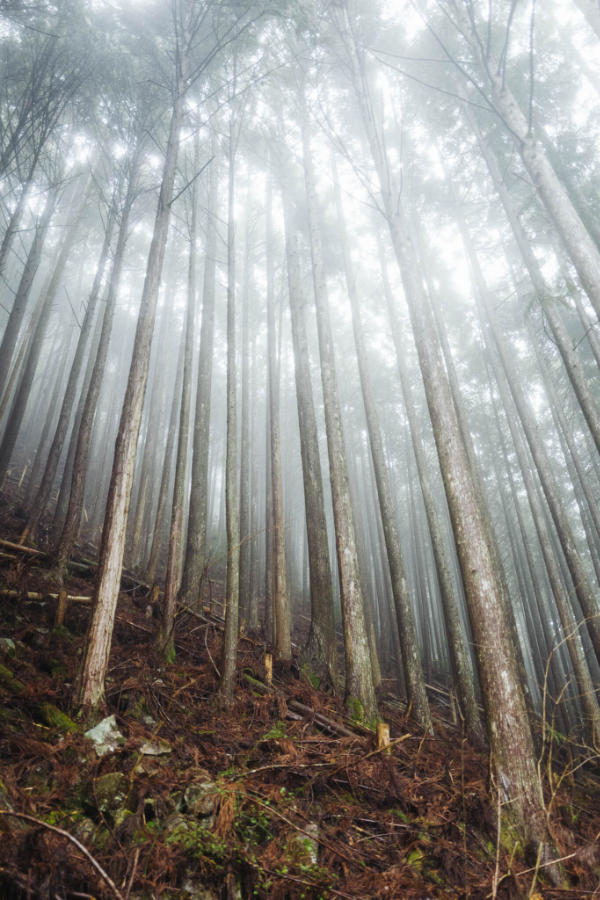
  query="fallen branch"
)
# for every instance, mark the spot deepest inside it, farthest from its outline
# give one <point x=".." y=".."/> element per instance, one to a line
<point x="31" y="550"/>
<point x="104" y="875"/>
<point x="36" y="595"/>
<point x="318" y="717"/>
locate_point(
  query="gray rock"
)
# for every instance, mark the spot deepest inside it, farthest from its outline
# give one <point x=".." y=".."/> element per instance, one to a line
<point x="200" y="796"/>
<point x="155" y="748"/>
<point x="7" y="646"/>
<point x="195" y="890"/>
<point x="106" y="736"/>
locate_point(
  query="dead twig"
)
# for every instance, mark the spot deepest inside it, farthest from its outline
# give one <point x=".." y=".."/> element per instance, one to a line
<point x="94" y="862"/>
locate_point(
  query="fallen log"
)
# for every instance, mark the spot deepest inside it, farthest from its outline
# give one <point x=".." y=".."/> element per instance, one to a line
<point x="297" y="707"/>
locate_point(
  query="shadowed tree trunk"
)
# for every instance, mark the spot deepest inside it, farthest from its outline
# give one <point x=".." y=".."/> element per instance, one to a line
<point x="82" y="431"/>
<point x="40" y="500"/>
<point x="461" y="662"/>
<point x="20" y="303"/>
<point x="320" y="651"/>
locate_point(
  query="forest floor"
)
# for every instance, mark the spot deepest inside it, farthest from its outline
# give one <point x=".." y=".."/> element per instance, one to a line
<point x="280" y="796"/>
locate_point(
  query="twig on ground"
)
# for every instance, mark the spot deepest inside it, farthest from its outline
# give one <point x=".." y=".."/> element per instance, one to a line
<point x="104" y="875"/>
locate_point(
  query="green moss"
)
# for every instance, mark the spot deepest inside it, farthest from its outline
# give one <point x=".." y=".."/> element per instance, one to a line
<point x="55" y="718"/>
<point x="356" y="709"/>
<point x="309" y="676"/>
<point x="8" y="681"/>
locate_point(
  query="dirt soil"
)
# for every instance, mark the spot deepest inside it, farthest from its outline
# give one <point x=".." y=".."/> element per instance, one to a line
<point x="280" y="796"/>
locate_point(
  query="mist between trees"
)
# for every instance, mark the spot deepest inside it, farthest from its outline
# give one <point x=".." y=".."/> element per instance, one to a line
<point x="300" y="305"/>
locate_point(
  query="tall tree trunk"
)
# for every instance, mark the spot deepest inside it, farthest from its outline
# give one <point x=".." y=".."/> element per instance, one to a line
<point x="281" y="597"/>
<point x="586" y="593"/>
<point x="320" y="651"/>
<point x="461" y="662"/>
<point x="516" y="777"/>
<point x="580" y="246"/>
<point x="549" y="306"/>
<point x="20" y="303"/>
<point x="75" y="475"/>
<point x="158" y="532"/>
<point x="195" y="551"/>
<point x="166" y="636"/>
<point x="90" y="688"/>
<point x="40" y="500"/>
<point x="359" y="690"/>
<point x="41" y="320"/>
<point x="232" y="512"/>
<point x="411" y="659"/>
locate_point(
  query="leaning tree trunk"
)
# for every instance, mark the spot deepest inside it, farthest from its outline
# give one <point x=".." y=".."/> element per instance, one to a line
<point x="580" y="246"/>
<point x="21" y="301"/>
<point x="41" y="319"/>
<point x="459" y="654"/>
<point x="569" y="354"/>
<point x="359" y="690"/>
<point x="90" y="688"/>
<point x="82" y="431"/>
<point x="40" y="500"/>
<point x="515" y="773"/>
<point x="586" y="593"/>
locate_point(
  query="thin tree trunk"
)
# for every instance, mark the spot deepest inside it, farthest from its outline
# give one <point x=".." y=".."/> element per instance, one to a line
<point x="166" y="636"/>
<point x="232" y="590"/>
<point x="41" y="320"/>
<point x="82" y="431"/>
<point x="359" y="690"/>
<point x="40" y="500"/>
<point x="320" y="651"/>
<point x="580" y="246"/>
<point x="411" y="659"/>
<point x="564" y="342"/>
<point x="195" y="552"/>
<point x="20" y="303"/>
<point x="586" y="594"/>
<point x="90" y="688"/>
<point x="461" y="662"/>
<point x="281" y="598"/>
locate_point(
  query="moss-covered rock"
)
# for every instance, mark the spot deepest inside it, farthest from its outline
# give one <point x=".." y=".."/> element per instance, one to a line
<point x="110" y="793"/>
<point x="55" y="718"/>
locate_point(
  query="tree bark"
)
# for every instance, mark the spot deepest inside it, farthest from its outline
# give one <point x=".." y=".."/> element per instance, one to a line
<point x="514" y="762"/>
<point x="359" y="689"/>
<point x="320" y="651"/>
<point x="166" y="636"/>
<point x="411" y="658"/>
<point x="195" y="551"/>
<point x="90" y="688"/>
<point x="281" y="597"/>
